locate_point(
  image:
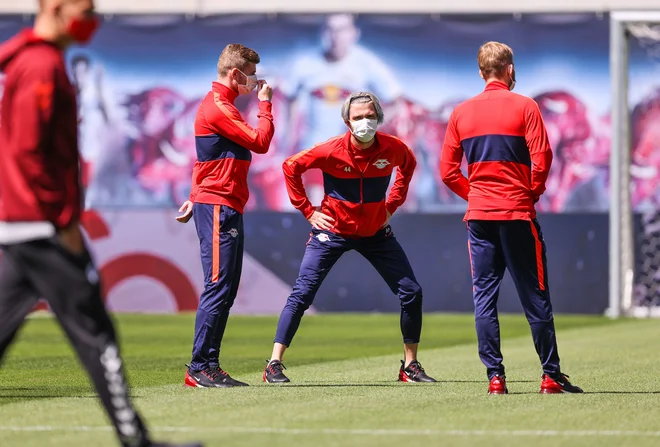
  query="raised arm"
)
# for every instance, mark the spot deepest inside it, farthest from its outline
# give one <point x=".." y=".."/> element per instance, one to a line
<point x="229" y="122"/>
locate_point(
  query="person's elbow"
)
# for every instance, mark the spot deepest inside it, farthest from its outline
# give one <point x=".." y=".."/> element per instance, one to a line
<point x="260" y="147"/>
<point x="286" y="168"/>
<point x="446" y="173"/>
<point x="549" y="158"/>
<point x="289" y="170"/>
<point x="545" y="162"/>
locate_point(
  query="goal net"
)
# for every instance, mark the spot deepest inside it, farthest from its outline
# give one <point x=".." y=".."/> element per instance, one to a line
<point x="635" y="164"/>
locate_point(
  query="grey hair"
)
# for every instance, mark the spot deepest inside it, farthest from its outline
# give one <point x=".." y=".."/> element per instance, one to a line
<point x="360" y="98"/>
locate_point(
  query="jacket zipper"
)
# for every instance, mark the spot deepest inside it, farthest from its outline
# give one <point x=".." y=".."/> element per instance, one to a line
<point x="373" y="157"/>
<point x="361" y="199"/>
<point x="357" y="166"/>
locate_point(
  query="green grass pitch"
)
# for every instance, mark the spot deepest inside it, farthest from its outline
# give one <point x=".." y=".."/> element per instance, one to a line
<point x="344" y="391"/>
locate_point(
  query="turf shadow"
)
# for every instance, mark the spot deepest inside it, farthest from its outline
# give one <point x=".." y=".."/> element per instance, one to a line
<point x="595" y="392"/>
<point x="622" y="392"/>
<point x="337" y="385"/>
<point x="484" y="381"/>
<point x="42" y="396"/>
<point x="382" y="384"/>
<point x="15" y="394"/>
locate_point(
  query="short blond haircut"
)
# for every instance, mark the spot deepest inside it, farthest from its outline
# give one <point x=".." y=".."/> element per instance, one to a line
<point x="493" y="58"/>
<point x="238" y="56"/>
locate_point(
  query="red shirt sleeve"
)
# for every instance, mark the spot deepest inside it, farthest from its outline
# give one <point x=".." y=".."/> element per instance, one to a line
<point x="540" y="152"/>
<point x="404" y="174"/>
<point x="294" y="167"/>
<point x="229" y="123"/>
<point x="195" y="182"/>
<point x="450" y="161"/>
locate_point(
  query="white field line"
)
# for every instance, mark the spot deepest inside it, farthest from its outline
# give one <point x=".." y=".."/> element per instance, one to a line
<point x="351" y="432"/>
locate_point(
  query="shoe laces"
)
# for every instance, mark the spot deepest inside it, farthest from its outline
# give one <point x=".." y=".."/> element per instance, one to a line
<point x="559" y="376"/>
<point x="276" y="367"/>
<point x="415" y="367"/>
<point x="222" y="371"/>
<point x="211" y="373"/>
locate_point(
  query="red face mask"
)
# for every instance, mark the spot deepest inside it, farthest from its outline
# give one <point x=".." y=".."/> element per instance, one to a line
<point x="81" y="30"/>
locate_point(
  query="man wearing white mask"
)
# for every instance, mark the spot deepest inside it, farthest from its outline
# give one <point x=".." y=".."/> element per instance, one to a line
<point x="224" y="143"/>
<point x="354" y="215"/>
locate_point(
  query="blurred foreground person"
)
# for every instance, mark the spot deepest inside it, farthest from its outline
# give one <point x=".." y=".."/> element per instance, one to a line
<point x="44" y="254"/>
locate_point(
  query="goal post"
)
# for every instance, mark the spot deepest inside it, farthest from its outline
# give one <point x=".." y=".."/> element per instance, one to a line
<point x="624" y="25"/>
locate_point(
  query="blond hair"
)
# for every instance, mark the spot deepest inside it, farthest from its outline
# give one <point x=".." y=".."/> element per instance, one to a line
<point x="238" y="56"/>
<point x="493" y="58"/>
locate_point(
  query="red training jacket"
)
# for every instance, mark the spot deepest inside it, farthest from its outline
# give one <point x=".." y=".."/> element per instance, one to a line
<point x="224" y="141"/>
<point x="355" y="181"/>
<point x="40" y="189"/>
<point x="507" y="150"/>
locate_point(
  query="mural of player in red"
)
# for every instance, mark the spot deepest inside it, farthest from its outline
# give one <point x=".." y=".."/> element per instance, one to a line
<point x="434" y="138"/>
<point x="153" y="112"/>
<point x="170" y="171"/>
<point x="407" y="123"/>
<point x="133" y="149"/>
<point x="568" y="127"/>
<point x="646" y="151"/>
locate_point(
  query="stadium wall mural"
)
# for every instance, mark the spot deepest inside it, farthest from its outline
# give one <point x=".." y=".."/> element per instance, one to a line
<point x="140" y="81"/>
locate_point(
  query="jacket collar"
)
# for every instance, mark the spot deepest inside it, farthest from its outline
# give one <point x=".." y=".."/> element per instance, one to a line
<point x="496" y="85"/>
<point x="346" y="143"/>
<point x="224" y="91"/>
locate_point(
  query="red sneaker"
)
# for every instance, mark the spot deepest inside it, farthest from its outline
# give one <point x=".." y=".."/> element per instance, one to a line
<point x="414" y="373"/>
<point x="210" y="378"/>
<point x="557" y="385"/>
<point x="498" y="385"/>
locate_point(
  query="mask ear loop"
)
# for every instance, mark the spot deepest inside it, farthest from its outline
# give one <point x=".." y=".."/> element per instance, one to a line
<point x="243" y="75"/>
<point x="512" y="78"/>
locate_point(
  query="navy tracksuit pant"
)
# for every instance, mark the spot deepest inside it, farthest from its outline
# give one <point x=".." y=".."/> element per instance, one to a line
<point x="517" y="245"/>
<point x="382" y="250"/>
<point x="220" y="232"/>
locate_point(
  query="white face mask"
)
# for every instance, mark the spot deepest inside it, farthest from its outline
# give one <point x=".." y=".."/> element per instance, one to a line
<point x="364" y="130"/>
<point x="512" y="84"/>
<point x="250" y="84"/>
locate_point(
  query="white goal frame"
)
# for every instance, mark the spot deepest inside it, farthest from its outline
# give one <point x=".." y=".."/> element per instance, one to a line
<point x="621" y="231"/>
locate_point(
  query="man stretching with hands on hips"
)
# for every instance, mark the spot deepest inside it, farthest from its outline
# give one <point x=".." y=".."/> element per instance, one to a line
<point x="354" y="215"/>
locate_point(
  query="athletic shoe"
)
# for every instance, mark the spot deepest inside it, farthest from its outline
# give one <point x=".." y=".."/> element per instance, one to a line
<point x="210" y="378"/>
<point x="498" y="385"/>
<point x="227" y="380"/>
<point x="274" y="372"/>
<point x="201" y="379"/>
<point x="414" y="373"/>
<point x="558" y="384"/>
